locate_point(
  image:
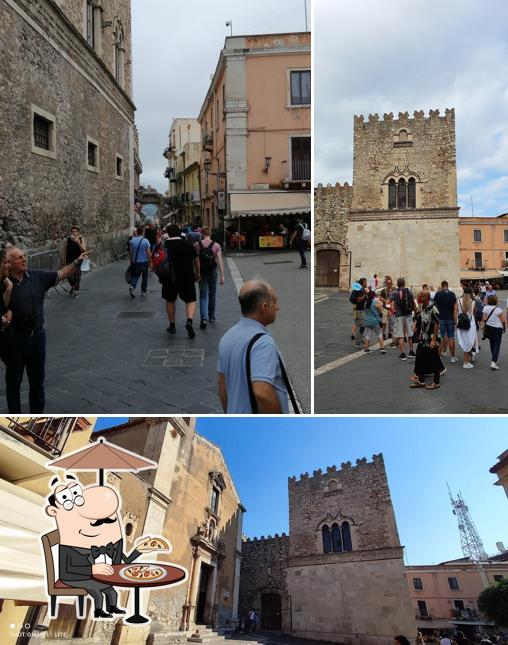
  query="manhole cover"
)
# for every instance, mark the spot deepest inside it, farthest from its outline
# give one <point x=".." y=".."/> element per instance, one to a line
<point x="135" y="314"/>
<point x="175" y="358"/>
<point x="280" y="262"/>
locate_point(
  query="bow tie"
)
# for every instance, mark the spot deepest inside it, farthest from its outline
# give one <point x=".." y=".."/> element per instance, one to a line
<point x="109" y="550"/>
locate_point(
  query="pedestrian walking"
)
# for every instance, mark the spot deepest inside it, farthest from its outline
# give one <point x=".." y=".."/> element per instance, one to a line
<point x="74" y="247"/>
<point x="373" y="318"/>
<point x="5" y="299"/>
<point x="186" y="272"/>
<point x="388" y="322"/>
<point x="404" y="303"/>
<point x="299" y="240"/>
<point x="141" y="262"/>
<point x="446" y="303"/>
<point x="193" y="234"/>
<point x="358" y="298"/>
<point x="26" y="346"/>
<point x="466" y="326"/>
<point x="495" y="326"/>
<point x="251" y="373"/>
<point x="210" y="263"/>
<point x="427" y="360"/>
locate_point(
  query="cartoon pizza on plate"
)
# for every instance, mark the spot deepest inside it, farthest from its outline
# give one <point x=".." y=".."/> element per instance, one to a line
<point x="153" y="544"/>
<point x="143" y="572"/>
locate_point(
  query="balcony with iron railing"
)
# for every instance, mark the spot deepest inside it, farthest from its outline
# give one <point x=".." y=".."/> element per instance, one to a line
<point x="48" y="434"/>
<point x="300" y="170"/>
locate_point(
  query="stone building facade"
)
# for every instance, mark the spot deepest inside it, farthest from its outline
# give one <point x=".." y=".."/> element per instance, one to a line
<point x="341" y="578"/>
<point x="67" y="133"/>
<point x="403" y="216"/>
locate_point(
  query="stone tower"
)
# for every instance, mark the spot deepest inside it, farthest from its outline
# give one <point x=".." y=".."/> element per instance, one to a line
<point x="346" y="574"/>
<point x="404" y="214"/>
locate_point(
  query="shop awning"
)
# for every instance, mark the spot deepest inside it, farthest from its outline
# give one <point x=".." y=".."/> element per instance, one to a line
<point x="469" y="274"/>
<point x="270" y="203"/>
<point x="434" y="624"/>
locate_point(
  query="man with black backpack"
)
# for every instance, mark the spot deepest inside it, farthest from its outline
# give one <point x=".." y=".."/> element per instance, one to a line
<point x="405" y="305"/>
<point x="210" y="260"/>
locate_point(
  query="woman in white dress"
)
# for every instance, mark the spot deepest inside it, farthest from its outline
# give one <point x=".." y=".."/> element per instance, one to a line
<point x="466" y="326"/>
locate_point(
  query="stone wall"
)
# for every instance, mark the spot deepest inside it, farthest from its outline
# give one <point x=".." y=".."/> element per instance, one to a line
<point x="49" y="65"/>
<point x="428" y="150"/>
<point x="358" y="494"/>
<point x="358" y="596"/>
<point x="264" y="570"/>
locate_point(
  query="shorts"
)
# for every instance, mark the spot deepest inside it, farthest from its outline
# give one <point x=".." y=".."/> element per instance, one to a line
<point x="447" y="328"/>
<point x="403" y="327"/>
<point x="372" y="331"/>
<point x="186" y="291"/>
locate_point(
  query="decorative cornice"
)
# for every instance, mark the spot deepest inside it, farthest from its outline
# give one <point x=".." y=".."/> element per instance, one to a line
<point x="389" y="553"/>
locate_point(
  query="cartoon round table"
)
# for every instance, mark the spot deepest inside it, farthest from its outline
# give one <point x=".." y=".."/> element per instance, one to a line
<point x="136" y="576"/>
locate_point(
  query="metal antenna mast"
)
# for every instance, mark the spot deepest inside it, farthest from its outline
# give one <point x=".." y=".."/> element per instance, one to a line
<point x="470" y="541"/>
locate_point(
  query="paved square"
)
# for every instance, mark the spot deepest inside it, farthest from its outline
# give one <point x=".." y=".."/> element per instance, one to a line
<point x="175" y="357"/>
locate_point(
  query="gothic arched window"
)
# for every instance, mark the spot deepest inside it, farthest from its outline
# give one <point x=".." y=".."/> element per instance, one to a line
<point x="327" y="539"/>
<point x="336" y="539"/>
<point x="411" y="193"/>
<point x="392" y="194"/>
<point x="402" y="194"/>
<point x="346" y="537"/>
<point x="118" y="53"/>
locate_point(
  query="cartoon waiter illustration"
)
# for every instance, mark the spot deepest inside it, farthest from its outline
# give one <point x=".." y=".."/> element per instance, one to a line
<point x="91" y="535"/>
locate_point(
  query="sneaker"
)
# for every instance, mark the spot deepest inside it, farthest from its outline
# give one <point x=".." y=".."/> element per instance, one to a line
<point x="131" y="292"/>
<point x="383" y="350"/>
<point x="211" y="318"/>
<point x="494" y="366"/>
<point x="144" y="293"/>
<point x="171" y="329"/>
<point x="190" y="329"/>
<point x="202" y="324"/>
<point x="411" y="354"/>
<point x="467" y="366"/>
<point x="402" y="357"/>
<point x="303" y="266"/>
<point x="453" y="359"/>
<point x="367" y="350"/>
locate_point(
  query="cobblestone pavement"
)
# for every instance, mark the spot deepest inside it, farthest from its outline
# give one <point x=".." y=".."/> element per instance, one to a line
<point x="108" y="353"/>
<point x="292" y="329"/>
<point x="352" y="382"/>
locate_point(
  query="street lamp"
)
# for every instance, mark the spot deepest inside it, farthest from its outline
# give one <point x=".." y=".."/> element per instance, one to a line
<point x="207" y="163"/>
<point x="268" y="161"/>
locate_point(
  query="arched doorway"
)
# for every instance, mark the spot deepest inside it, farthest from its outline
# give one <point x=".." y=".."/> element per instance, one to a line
<point x="271" y="611"/>
<point x="327" y="268"/>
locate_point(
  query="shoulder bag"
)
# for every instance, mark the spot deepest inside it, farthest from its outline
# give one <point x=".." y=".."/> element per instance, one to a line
<point x="132" y="269"/>
<point x="285" y="378"/>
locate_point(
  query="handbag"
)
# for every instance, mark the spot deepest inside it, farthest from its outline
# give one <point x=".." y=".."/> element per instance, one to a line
<point x="486" y="327"/>
<point x="285" y="378"/>
<point x="85" y="265"/>
<point x="132" y="270"/>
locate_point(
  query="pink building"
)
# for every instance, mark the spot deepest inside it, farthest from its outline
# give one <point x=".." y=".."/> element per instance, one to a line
<point x="256" y="134"/>
<point x="445" y="595"/>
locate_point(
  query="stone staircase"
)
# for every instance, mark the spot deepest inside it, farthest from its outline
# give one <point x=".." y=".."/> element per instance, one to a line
<point x="206" y="634"/>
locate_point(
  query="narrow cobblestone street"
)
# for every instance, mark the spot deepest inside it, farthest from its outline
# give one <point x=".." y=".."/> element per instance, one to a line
<point x="108" y="353"/>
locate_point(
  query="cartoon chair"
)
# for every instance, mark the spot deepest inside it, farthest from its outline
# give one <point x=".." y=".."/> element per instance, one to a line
<point x="57" y="587"/>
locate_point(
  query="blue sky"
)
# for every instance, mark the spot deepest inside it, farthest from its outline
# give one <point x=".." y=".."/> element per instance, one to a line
<point x="421" y="456"/>
<point x="368" y="59"/>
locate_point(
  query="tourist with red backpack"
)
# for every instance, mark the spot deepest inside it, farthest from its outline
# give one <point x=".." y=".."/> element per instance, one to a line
<point x="210" y="261"/>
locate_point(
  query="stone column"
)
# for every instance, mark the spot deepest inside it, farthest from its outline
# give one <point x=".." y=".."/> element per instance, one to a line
<point x="190" y="605"/>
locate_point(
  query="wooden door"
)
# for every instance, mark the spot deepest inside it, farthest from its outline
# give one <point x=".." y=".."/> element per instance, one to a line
<point x="327" y="268"/>
<point x="270" y="611"/>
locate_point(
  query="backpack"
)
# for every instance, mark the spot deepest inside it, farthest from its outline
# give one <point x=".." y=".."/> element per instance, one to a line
<point x="463" y="321"/>
<point x="406" y="307"/>
<point x="306" y="235"/>
<point x="162" y="265"/>
<point x="479" y="309"/>
<point x="207" y="259"/>
<point x="353" y="297"/>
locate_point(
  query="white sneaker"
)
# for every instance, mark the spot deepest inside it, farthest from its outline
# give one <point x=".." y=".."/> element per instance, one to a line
<point x="494" y="366"/>
<point x="467" y="366"/>
<point x="453" y="359"/>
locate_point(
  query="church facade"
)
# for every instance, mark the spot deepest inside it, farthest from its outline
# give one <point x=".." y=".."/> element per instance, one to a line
<point x="400" y="216"/>
<point x="339" y="575"/>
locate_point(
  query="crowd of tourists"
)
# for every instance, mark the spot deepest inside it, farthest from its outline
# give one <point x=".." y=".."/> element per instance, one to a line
<point x="432" y="321"/>
<point x="456" y="638"/>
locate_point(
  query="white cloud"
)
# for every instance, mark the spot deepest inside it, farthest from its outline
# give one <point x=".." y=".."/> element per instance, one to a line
<point x="374" y="56"/>
<point x="176" y="47"/>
